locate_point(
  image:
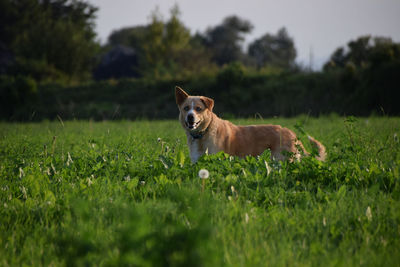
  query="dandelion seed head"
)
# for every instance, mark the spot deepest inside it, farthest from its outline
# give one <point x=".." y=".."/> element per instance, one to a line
<point x="203" y="174"/>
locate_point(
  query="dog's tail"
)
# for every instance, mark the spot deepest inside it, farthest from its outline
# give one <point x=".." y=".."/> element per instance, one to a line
<point x="320" y="148"/>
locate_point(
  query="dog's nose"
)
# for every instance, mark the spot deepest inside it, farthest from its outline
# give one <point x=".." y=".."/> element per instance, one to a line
<point x="190" y="118"/>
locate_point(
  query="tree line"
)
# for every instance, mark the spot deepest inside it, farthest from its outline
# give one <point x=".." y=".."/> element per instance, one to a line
<point x="55" y="40"/>
<point x="52" y="43"/>
<point x="166" y="49"/>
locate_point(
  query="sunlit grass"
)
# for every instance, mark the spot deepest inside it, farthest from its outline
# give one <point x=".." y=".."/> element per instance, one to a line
<point x="125" y="193"/>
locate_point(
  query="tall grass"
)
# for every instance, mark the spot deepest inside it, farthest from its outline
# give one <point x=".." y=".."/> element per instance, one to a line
<point x="125" y="193"/>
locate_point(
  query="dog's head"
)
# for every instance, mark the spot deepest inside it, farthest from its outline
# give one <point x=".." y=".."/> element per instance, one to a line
<point x="195" y="111"/>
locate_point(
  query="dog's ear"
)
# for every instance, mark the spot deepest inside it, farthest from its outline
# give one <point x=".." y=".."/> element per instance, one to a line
<point x="208" y="102"/>
<point x="180" y="95"/>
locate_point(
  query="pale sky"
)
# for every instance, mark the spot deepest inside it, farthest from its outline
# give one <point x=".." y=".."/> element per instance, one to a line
<point x="319" y="26"/>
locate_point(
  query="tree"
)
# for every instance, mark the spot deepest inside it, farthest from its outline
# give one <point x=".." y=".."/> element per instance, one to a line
<point x="225" y="40"/>
<point x="177" y="36"/>
<point x="119" y="62"/>
<point x="50" y="39"/>
<point x="164" y="48"/>
<point x="339" y="58"/>
<point x="274" y="50"/>
<point x="364" y="52"/>
<point x="129" y="36"/>
<point x="169" y="50"/>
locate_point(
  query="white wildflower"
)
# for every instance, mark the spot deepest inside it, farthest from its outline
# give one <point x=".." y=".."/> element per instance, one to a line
<point x="23" y="191"/>
<point x="267" y="167"/>
<point x="368" y="213"/>
<point x="69" y="159"/>
<point x="233" y="189"/>
<point x="203" y="174"/>
<point x="246" y="218"/>
<point x="142" y="182"/>
<point x="53" y="168"/>
<point x="21" y="172"/>
<point x="89" y="180"/>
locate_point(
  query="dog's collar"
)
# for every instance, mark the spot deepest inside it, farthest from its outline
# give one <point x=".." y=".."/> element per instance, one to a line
<point x="198" y="135"/>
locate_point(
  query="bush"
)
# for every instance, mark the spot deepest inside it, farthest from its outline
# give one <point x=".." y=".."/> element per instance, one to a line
<point x="17" y="95"/>
<point x="236" y="92"/>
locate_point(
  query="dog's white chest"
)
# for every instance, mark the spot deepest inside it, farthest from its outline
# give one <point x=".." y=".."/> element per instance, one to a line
<point x="198" y="148"/>
<point x="195" y="150"/>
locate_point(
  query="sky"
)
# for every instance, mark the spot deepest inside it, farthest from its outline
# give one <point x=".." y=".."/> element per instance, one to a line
<point x="318" y="27"/>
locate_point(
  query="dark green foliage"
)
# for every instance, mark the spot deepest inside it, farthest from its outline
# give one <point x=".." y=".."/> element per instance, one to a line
<point x="50" y="40"/>
<point x="164" y="49"/>
<point x="236" y="92"/>
<point x="274" y="50"/>
<point x="17" y="94"/>
<point x="225" y="40"/>
<point x="117" y="63"/>
<point x="365" y="53"/>
<point x="129" y="36"/>
<point x="44" y="65"/>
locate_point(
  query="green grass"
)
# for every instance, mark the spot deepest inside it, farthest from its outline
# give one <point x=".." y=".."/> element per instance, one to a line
<point x="112" y="194"/>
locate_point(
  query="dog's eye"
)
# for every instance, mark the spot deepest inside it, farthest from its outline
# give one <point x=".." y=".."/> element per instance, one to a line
<point x="186" y="108"/>
<point x="198" y="108"/>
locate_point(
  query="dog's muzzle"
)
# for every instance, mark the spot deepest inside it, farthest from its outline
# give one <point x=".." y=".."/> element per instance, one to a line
<point x="191" y="123"/>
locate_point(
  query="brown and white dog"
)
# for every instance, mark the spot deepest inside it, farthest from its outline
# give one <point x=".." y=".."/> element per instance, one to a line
<point x="206" y="132"/>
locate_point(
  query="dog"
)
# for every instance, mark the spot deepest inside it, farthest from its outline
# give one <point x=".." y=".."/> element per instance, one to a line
<point x="207" y="133"/>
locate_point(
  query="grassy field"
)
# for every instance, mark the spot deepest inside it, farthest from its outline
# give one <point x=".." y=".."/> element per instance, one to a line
<point x="125" y="194"/>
